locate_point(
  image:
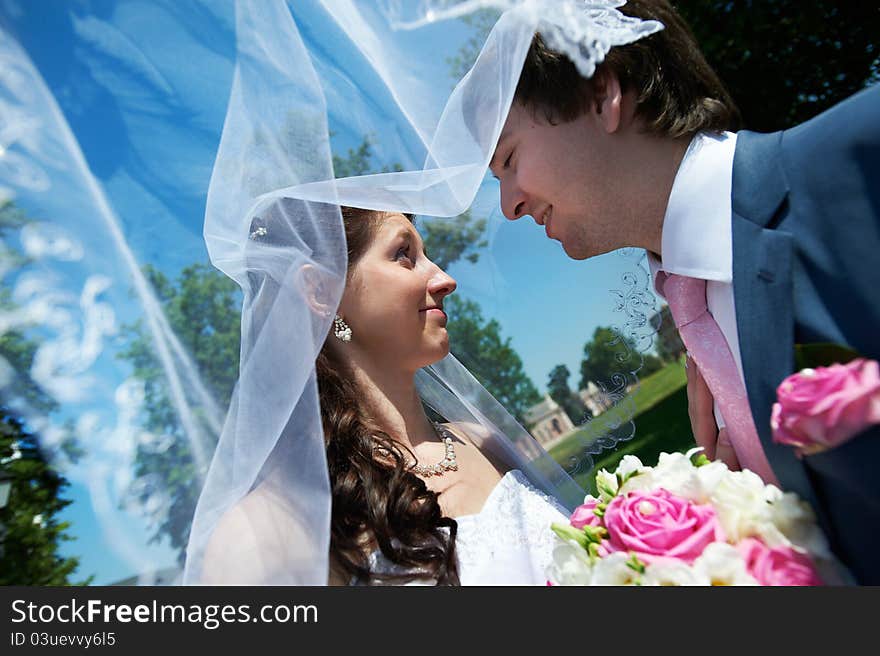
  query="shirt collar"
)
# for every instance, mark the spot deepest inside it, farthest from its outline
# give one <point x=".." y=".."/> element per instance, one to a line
<point x="697" y="236"/>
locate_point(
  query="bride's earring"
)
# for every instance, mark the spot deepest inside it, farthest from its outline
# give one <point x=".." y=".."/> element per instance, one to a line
<point x="341" y="329"/>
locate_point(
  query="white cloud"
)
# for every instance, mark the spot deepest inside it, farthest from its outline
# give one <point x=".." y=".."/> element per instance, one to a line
<point x="23" y="172"/>
<point x="50" y="240"/>
<point x="61" y="361"/>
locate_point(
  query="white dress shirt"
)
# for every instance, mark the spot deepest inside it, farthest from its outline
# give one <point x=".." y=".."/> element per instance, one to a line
<point x="697" y="238"/>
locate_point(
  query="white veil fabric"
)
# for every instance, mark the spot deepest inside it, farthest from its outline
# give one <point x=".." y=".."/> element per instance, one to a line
<point x="273" y="225"/>
<point x="121" y="344"/>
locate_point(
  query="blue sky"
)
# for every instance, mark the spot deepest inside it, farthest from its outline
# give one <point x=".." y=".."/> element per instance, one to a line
<point x="143" y="88"/>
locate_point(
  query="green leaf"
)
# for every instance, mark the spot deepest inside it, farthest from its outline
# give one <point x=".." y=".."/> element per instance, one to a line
<point x="605" y="490"/>
<point x="623" y="479"/>
<point x="567" y="532"/>
<point x="595" y="534"/>
<point x="635" y="564"/>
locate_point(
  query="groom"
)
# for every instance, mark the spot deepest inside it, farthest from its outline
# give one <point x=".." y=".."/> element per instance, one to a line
<point x="781" y="230"/>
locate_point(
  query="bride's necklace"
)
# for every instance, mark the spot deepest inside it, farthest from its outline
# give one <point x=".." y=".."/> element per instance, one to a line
<point x="447" y="464"/>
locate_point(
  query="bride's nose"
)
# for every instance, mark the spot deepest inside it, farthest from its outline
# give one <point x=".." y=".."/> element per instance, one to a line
<point x="441" y="283"/>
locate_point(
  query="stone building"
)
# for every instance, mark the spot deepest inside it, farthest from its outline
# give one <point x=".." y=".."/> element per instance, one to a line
<point x="595" y="399"/>
<point x="547" y="421"/>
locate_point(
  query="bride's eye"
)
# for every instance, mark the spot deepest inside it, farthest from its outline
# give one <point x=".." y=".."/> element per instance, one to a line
<point x="403" y="254"/>
<point x="507" y="161"/>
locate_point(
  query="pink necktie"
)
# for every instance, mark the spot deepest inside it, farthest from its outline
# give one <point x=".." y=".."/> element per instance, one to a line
<point x="709" y="349"/>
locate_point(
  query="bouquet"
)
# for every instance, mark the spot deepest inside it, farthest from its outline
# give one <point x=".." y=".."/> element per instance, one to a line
<point x="688" y="521"/>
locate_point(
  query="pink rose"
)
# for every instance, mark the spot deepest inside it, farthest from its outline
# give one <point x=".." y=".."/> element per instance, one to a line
<point x="821" y="408"/>
<point x="660" y="524"/>
<point x="777" y="566"/>
<point x="585" y="514"/>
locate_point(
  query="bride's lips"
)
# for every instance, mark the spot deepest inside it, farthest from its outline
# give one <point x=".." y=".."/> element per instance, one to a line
<point x="435" y="311"/>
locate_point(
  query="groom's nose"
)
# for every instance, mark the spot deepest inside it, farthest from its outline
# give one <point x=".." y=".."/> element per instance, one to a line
<point x="513" y="201"/>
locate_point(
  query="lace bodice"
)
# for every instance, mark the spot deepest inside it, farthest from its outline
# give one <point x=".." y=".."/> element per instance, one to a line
<point x="509" y="542"/>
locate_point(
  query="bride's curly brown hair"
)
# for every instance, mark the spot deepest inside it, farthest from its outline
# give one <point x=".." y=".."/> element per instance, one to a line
<point x="377" y="501"/>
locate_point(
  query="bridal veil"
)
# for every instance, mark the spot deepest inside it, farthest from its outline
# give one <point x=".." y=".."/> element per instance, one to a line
<point x="310" y="80"/>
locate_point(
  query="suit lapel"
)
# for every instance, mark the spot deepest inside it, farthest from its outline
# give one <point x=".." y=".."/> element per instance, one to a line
<point x="763" y="292"/>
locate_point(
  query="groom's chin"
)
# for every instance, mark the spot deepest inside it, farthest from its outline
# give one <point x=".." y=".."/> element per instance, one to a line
<point x="583" y="249"/>
<point x="576" y="251"/>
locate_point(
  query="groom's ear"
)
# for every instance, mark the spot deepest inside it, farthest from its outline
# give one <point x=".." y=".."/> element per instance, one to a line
<point x="607" y="101"/>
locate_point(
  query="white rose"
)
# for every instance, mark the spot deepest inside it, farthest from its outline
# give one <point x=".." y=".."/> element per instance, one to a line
<point x="796" y="521"/>
<point x="721" y="564"/>
<point x="606" y="483"/>
<point x="740" y="501"/>
<point x="673" y="573"/>
<point x="614" y="570"/>
<point x="674" y="460"/>
<point x="709" y="477"/>
<point x="570" y="565"/>
<point x="674" y="472"/>
<point x="644" y="481"/>
<point x="629" y="466"/>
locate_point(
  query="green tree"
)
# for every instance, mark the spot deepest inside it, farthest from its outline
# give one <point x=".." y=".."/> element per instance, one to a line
<point x="482" y="22"/>
<point x="202" y="307"/>
<point x="478" y="344"/>
<point x="446" y="240"/>
<point x="669" y="346"/>
<point x="356" y="161"/>
<point x="784" y="61"/>
<point x="30" y="532"/>
<point x="607" y="354"/>
<point x="557" y="387"/>
<point x="650" y="364"/>
<point x="450" y="240"/>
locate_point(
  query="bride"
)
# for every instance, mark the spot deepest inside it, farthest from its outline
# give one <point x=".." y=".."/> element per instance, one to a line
<point x="356" y="449"/>
<point x="412" y="500"/>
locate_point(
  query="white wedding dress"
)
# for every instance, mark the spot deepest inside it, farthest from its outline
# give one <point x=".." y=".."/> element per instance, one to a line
<point x="509" y="542"/>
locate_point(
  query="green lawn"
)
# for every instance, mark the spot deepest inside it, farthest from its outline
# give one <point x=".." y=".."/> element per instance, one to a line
<point x="661" y="423"/>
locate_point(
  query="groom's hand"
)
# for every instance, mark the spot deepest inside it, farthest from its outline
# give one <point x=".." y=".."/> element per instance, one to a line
<point x="701" y="409"/>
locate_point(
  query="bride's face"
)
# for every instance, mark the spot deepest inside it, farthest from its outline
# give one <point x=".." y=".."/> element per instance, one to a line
<point x="394" y="299"/>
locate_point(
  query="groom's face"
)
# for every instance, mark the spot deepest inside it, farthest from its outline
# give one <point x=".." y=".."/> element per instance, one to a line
<point x="560" y="175"/>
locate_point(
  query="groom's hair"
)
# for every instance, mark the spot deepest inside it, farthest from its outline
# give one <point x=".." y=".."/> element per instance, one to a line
<point x="677" y="92"/>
